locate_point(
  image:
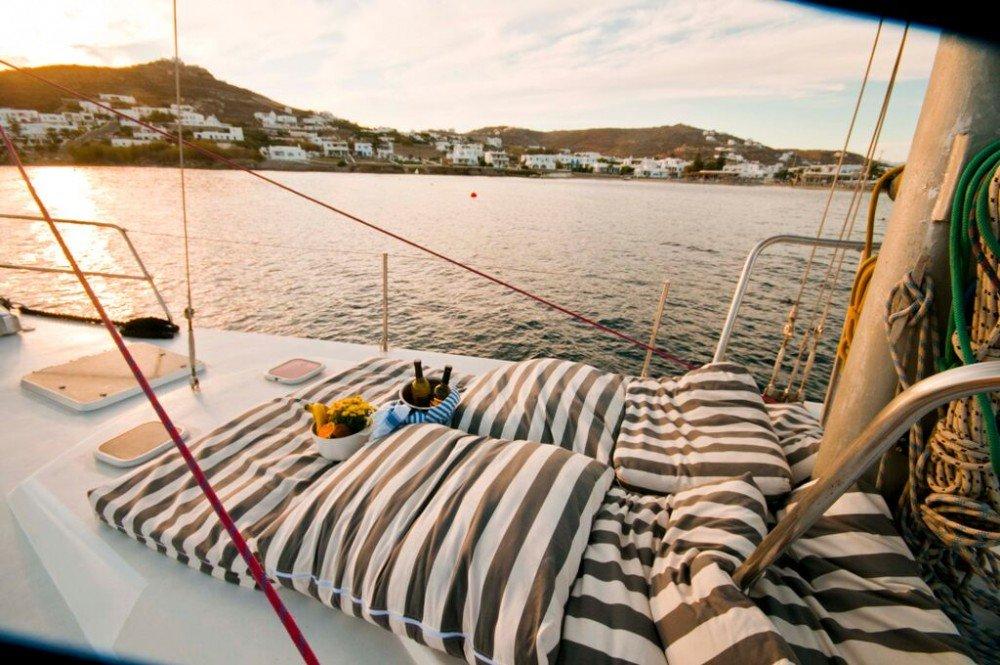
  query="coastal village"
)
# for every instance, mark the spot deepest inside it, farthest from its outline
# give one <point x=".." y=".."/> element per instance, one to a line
<point x="282" y="138"/>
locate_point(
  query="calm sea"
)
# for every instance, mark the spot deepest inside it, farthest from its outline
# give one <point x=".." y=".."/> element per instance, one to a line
<point x="263" y="260"/>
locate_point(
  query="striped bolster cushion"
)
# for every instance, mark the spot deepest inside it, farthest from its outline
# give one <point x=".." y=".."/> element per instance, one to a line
<point x="572" y="405"/>
<point x="850" y="591"/>
<point x="258" y="463"/>
<point x="466" y="544"/>
<point x="708" y="425"/>
<point x="701" y="615"/>
<point x="608" y="617"/>
<point x="799" y="434"/>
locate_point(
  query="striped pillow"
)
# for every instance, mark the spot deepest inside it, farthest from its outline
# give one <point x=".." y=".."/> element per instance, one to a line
<point x="701" y="615"/>
<point x="259" y="463"/>
<point x="466" y="544"/>
<point x="710" y="424"/>
<point x="608" y="617"/>
<point x="850" y="591"/>
<point x="799" y="434"/>
<point x="572" y="405"/>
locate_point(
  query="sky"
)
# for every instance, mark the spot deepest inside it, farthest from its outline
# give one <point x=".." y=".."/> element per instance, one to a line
<point x="774" y="71"/>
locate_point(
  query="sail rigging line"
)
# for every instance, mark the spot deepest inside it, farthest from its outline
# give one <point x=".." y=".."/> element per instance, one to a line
<point x="686" y="364"/>
<point x="189" y="309"/>
<point x="256" y="569"/>
<point x="824" y="300"/>
<point x="788" y="331"/>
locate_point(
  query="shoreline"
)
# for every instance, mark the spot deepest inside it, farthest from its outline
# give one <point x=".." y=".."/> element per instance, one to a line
<point x="395" y="168"/>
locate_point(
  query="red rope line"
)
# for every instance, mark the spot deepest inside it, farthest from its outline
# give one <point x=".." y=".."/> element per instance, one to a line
<point x="395" y="236"/>
<point x="220" y="510"/>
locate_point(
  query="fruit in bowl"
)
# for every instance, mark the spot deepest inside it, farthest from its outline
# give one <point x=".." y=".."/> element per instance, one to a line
<point x="341" y="427"/>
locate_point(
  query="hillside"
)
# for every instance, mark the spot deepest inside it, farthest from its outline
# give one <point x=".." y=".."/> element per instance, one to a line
<point x="667" y="140"/>
<point x="151" y="83"/>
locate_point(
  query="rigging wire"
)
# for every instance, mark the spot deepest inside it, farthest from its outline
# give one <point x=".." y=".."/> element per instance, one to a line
<point x="788" y="331"/>
<point x="189" y="309"/>
<point x="256" y="570"/>
<point x="812" y="335"/>
<point x="686" y="364"/>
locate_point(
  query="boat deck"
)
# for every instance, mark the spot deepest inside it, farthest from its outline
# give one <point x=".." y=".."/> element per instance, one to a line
<point x="78" y="582"/>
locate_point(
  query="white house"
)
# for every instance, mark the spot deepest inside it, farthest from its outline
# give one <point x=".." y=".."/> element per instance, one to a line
<point x="272" y="120"/>
<point x="494" y="142"/>
<point x="442" y="145"/>
<point x="332" y="148"/>
<point x="547" y="162"/>
<point x="498" y="159"/>
<point x="363" y="149"/>
<point x="584" y="159"/>
<point x="315" y="121"/>
<point x="122" y="99"/>
<point x="385" y="150"/>
<point x="9" y="116"/>
<point x="286" y="153"/>
<point x="467" y="154"/>
<point x="225" y="134"/>
<point x="745" y="169"/>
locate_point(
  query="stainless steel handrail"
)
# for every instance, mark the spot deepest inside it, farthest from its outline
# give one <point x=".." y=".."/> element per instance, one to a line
<point x="885" y="429"/>
<point x="145" y="276"/>
<point x="748" y="266"/>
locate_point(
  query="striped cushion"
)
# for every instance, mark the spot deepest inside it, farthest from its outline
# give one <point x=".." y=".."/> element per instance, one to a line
<point x="572" y="405"/>
<point x="466" y="544"/>
<point x="708" y="425"/>
<point x="799" y="434"/>
<point x="608" y="617"/>
<point x="850" y="591"/>
<point x="258" y="464"/>
<point x="701" y="615"/>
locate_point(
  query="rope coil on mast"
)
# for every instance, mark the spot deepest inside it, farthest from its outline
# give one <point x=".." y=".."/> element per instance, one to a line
<point x="189" y="309"/>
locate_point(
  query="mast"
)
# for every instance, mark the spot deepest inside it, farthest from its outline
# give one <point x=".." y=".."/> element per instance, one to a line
<point x="960" y="114"/>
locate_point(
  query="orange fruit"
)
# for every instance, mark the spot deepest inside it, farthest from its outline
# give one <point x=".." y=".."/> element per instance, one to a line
<point x="325" y="430"/>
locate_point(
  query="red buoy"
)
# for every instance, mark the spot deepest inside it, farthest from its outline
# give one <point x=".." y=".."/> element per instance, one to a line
<point x="473" y="195"/>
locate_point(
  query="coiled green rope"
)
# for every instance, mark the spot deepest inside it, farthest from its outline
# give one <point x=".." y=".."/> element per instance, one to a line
<point x="971" y="205"/>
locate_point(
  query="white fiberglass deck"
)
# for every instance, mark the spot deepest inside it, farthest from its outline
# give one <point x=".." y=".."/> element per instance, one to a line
<point x="69" y="579"/>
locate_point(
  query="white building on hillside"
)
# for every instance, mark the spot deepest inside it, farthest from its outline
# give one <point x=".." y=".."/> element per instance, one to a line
<point x="466" y="154"/>
<point x="285" y="153"/>
<point x="544" y="162"/>
<point x="9" y="116"/>
<point x="442" y="145"/>
<point x="494" y="142"/>
<point x="584" y="159"/>
<point x="272" y="120"/>
<point x="225" y="134"/>
<point x="363" y="149"/>
<point x="121" y="99"/>
<point x="334" y="148"/>
<point x="498" y="159"/>
<point x="385" y="150"/>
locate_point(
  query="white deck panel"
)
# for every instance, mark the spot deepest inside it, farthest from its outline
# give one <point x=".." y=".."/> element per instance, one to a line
<point x="70" y="579"/>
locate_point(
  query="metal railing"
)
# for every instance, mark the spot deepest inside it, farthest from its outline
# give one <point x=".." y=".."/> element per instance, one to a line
<point x="144" y="277"/>
<point x="748" y="266"/>
<point x="875" y="439"/>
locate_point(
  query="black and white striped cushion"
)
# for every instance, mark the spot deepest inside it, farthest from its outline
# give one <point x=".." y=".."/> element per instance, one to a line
<point x="467" y="544"/>
<point x="608" y="616"/>
<point x="572" y="405"/>
<point x="850" y="591"/>
<point x="799" y="434"/>
<point x="258" y="463"/>
<point x="708" y="425"/>
<point x="701" y="616"/>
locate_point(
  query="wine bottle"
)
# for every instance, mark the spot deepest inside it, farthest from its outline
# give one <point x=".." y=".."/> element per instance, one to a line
<point x="420" y="388"/>
<point x="441" y="390"/>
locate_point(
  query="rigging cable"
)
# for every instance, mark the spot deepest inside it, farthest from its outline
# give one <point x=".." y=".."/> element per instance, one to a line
<point x="686" y="364"/>
<point x="829" y="285"/>
<point x="189" y="309"/>
<point x="788" y="331"/>
<point x="213" y="499"/>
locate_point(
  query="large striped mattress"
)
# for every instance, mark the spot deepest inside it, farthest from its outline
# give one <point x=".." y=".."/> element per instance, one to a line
<point x="516" y="551"/>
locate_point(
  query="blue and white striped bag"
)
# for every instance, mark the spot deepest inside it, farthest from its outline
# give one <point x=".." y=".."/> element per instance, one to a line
<point x="394" y="415"/>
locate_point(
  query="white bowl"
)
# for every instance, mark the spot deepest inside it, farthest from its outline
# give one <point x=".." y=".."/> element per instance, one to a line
<point x="337" y="450"/>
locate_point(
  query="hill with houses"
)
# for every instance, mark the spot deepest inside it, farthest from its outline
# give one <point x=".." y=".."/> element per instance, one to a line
<point x="257" y="128"/>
